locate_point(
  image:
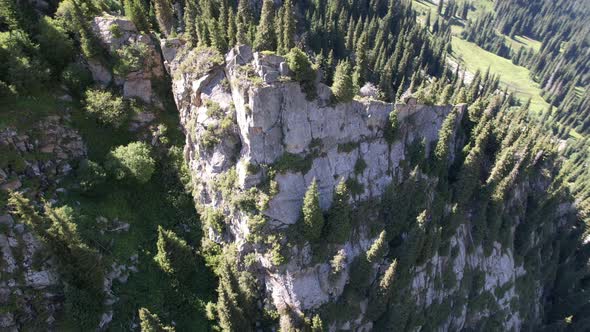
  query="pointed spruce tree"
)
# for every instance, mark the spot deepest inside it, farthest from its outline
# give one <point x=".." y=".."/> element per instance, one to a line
<point x="342" y="87"/>
<point x="339" y="218"/>
<point x="313" y="219"/>
<point x="164" y="16"/>
<point x="378" y="248"/>
<point x="266" y="39"/>
<point x="288" y="29"/>
<point x="136" y="12"/>
<point x="359" y="77"/>
<point x="149" y="322"/>
<point x="175" y="257"/>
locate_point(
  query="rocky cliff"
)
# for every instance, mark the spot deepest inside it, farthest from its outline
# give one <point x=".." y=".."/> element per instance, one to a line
<point x="255" y="143"/>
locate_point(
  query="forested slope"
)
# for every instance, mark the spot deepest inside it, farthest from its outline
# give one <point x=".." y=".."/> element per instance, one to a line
<point x="293" y="165"/>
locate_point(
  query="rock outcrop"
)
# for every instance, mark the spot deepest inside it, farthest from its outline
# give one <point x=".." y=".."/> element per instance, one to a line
<point x="269" y="122"/>
<point x="127" y="45"/>
<point x="43" y="154"/>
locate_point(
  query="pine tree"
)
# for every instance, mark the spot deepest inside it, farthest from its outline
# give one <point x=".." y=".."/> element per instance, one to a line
<point x="9" y="15"/>
<point x="445" y="96"/>
<point x="339" y="217"/>
<point x="378" y="248"/>
<point x="164" y="16"/>
<point x="265" y="34"/>
<point x="313" y="219"/>
<point x="288" y="29"/>
<point x="175" y="257"/>
<point x="343" y="88"/>
<point x="316" y="324"/>
<point x="231" y="29"/>
<point x="236" y="303"/>
<point x="243" y="22"/>
<point x="442" y="149"/>
<point x="136" y="12"/>
<point x="190" y="31"/>
<point x="149" y="322"/>
<point x="359" y="76"/>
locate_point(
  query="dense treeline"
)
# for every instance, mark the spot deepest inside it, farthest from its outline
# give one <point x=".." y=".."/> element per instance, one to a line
<point x="562" y="64"/>
<point x="380" y="39"/>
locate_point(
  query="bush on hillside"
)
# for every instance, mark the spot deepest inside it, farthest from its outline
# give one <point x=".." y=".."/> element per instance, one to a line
<point x="131" y="161"/>
<point x="76" y="78"/>
<point x="106" y="107"/>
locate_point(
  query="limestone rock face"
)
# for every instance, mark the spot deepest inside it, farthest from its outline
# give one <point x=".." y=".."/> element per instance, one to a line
<point x="269" y="121"/>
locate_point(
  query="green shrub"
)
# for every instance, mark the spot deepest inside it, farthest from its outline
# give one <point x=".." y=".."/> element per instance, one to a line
<point x="115" y="30"/>
<point x="131" y="58"/>
<point x="200" y="61"/>
<point x="292" y="162"/>
<point x="360" y="166"/>
<point x="90" y="175"/>
<point x="304" y="70"/>
<point x="354" y="186"/>
<point x="390" y="131"/>
<point x="55" y="45"/>
<point x="131" y="161"/>
<point x="338" y="262"/>
<point x="106" y="107"/>
<point x="76" y="78"/>
<point x="20" y="63"/>
<point x="347" y="147"/>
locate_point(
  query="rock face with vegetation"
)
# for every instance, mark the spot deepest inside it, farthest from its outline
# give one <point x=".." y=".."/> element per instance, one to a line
<point x="255" y="144"/>
<point x="345" y="177"/>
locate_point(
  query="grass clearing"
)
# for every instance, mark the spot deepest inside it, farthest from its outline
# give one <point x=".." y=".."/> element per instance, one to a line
<point x="522" y="41"/>
<point x="515" y="77"/>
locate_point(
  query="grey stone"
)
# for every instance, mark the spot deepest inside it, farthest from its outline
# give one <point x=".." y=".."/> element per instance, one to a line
<point x="284" y="69"/>
<point x="41" y="279"/>
<point x="99" y="72"/>
<point x="141" y="89"/>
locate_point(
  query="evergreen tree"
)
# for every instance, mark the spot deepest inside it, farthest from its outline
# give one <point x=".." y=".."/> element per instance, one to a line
<point x="243" y="22"/>
<point x="175" y="257"/>
<point x="359" y="76"/>
<point x="316" y="324"/>
<point x="378" y="248"/>
<point x="313" y="219"/>
<point x="288" y="30"/>
<point x="339" y="217"/>
<point x="343" y="88"/>
<point x="445" y="135"/>
<point x="136" y="12"/>
<point x="231" y="29"/>
<point x="265" y="34"/>
<point x="164" y="16"/>
<point x="149" y="322"/>
<point x="446" y="95"/>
